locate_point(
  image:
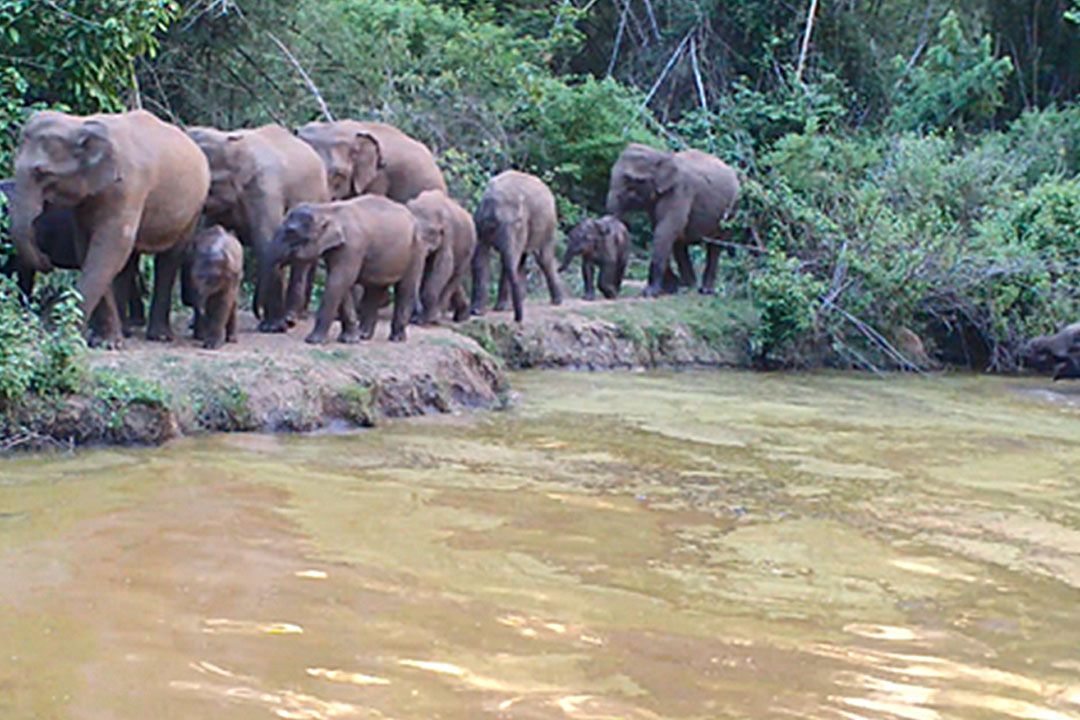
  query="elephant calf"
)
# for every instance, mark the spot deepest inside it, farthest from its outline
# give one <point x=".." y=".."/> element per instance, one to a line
<point x="370" y="241"/>
<point x="603" y="244"/>
<point x="446" y="229"/>
<point x="1058" y="353"/>
<point x="217" y="265"/>
<point x="516" y="217"/>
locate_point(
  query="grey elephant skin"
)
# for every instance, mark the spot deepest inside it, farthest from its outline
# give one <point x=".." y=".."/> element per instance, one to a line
<point x="258" y="175"/>
<point x="60" y="238"/>
<point x="369" y="158"/>
<point x="449" y="237"/>
<point x="368" y="241"/>
<point x="516" y="217"/>
<point x="134" y="184"/>
<point x="686" y="195"/>
<point x="604" y="247"/>
<point x="216" y="268"/>
<point x="1058" y="354"/>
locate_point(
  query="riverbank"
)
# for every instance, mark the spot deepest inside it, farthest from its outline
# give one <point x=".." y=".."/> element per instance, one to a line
<point x="149" y="393"/>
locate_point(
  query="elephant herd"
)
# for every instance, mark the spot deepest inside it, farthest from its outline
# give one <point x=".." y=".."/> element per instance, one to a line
<point x="364" y="198"/>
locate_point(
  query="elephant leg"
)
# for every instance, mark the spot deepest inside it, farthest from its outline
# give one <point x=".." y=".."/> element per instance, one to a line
<point x="502" y="299"/>
<point x="166" y="265"/>
<point x="460" y="303"/>
<point x="106" y="256"/>
<point x="26" y="280"/>
<point x="516" y="283"/>
<point x="669" y="285"/>
<point x="373" y="299"/>
<point x="608" y="273"/>
<point x="298" y="293"/>
<point x="434" y="285"/>
<point x="588" y="272"/>
<point x="550" y="267"/>
<point x="666" y="234"/>
<point x="230" y="325"/>
<point x="125" y="294"/>
<point x="339" y="284"/>
<point x="405" y="291"/>
<point x="215" y="321"/>
<point x="105" y="324"/>
<point x="350" y="328"/>
<point x="708" y="278"/>
<point x="136" y="304"/>
<point x="481" y="274"/>
<point x="687" y="277"/>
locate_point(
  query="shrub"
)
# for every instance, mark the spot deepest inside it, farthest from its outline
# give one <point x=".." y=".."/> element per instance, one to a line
<point x="786" y="300"/>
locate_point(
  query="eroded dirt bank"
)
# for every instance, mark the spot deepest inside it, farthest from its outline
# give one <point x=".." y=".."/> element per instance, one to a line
<point x="149" y="393"/>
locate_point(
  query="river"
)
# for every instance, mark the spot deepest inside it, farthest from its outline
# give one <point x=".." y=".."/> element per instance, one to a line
<point x="695" y="545"/>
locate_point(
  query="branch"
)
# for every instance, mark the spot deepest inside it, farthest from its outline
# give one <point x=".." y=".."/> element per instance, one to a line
<point x="618" y="41"/>
<point x="806" y="40"/>
<point x="667" y="68"/>
<point x="652" y="20"/>
<point x="697" y="75"/>
<point x="303" y="74"/>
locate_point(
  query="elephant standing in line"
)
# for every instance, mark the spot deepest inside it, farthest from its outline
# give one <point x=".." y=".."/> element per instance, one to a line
<point x="61" y="239"/>
<point x="447" y="232"/>
<point x="216" y="268"/>
<point x="516" y="217"/>
<point x="134" y="184"/>
<point x="369" y="158"/>
<point x="369" y="241"/>
<point x="604" y="245"/>
<point x="1058" y="353"/>
<point x="687" y="195"/>
<point x="257" y="177"/>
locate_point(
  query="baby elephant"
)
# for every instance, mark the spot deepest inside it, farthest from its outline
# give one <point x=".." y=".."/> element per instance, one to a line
<point x="603" y="245"/>
<point x="1058" y="353"/>
<point x="217" y="264"/>
<point x="449" y="237"/>
<point x="370" y="241"/>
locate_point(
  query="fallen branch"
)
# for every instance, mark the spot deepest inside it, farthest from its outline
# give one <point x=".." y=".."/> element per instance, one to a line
<point x="805" y="49"/>
<point x="697" y="75"/>
<point x="303" y="74"/>
<point x="667" y="68"/>
<point x="618" y="41"/>
<point x="874" y="337"/>
<point x="733" y="245"/>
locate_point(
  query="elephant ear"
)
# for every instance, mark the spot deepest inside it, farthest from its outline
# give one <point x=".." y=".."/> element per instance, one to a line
<point x="665" y="173"/>
<point x="94" y="149"/>
<point x="239" y="159"/>
<point x="364" y="170"/>
<point x="329" y="233"/>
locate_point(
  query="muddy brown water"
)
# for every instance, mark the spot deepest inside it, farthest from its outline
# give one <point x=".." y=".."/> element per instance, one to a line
<point x="645" y="546"/>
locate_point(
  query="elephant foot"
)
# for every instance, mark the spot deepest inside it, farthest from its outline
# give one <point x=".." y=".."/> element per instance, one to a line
<point x="159" y="335"/>
<point x="316" y="339"/>
<point x="476" y="312"/>
<point x="501" y="307"/>
<point x="398" y="336"/>
<point x="273" y="326"/>
<point x="651" y="291"/>
<point x="350" y="338"/>
<point x="707" y="291"/>
<point x="213" y="344"/>
<point x="589" y="296"/>
<point x="461" y="315"/>
<point x="556" y="301"/>
<point x="101" y="342"/>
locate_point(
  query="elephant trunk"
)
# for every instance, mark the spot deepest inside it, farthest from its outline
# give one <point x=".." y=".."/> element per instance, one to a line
<point x="26" y="207"/>
<point x="568" y="256"/>
<point x="613" y="206"/>
<point x="607" y="276"/>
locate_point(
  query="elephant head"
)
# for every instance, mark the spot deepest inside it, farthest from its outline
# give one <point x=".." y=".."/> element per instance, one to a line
<point x="432" y="219"/>
<point x="61" y="161"/>
<point x="307" y="232"/>
<point x="639" y="177"/>
<point x="353" y="158"/>
<point x="232" y="168"/>
<point x="1058" y="353"/>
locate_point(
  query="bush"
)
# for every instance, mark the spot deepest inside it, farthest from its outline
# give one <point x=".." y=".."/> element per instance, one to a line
<point x="786" y="300"/>
<point x="40" y="352"/>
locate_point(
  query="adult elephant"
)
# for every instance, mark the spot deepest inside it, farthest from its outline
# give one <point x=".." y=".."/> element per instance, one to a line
<point x="59" y="237"/>
<point x="258" y="176"/>
<point x="1058" y="353"/>
<point x="687" y="195"/>
<point x="370" y="158"/>
<point x="134" y="184"/>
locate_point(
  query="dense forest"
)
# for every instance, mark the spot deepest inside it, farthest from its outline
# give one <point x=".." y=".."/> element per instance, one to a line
<point x="909" y="167"/>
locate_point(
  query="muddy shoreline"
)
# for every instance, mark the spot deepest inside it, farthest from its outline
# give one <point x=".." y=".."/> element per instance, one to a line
<point x="148" y="393"/>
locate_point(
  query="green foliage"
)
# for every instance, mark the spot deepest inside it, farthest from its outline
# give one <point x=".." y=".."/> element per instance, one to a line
<point x="959" y="84"/>
<point x="116" y="393"/>
<point x="40" y="352"/>
<point x="786" y="299"/>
